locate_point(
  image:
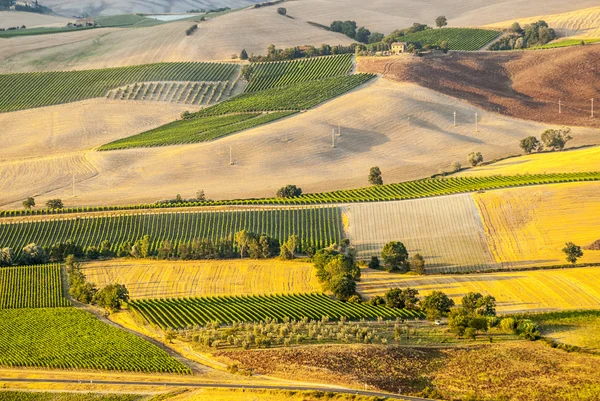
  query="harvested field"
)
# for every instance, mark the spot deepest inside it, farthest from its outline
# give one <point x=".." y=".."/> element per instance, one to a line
<point x="9" y="19"/>
<point x="521" y="370"/>
<point x="578" y="24"/>
<point x="227" y="35"/>
<point x="515" y="292"/>
<point x="530" y="226"/>
<point x="374" y="125"/>
<point x="165" y="279"/>
<point x="576" y="160"/>
<point x="525" y="85"/>
<point x="447" y="231"/>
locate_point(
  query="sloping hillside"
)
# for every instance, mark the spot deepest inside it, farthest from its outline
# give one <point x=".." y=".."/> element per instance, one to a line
<point x="30" y="20"/>
<point x="215" y="39"/>
<point x="525" y="85"/>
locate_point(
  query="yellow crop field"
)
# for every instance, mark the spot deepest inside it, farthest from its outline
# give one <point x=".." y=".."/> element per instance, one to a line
<point x="537" y="290"/>
<point x="530" y="226"/>
<point x="168" y="279"/>
<point x="570" y="161"/>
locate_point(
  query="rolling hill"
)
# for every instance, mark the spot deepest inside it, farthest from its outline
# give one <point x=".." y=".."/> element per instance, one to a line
<point x="10" y="19"/>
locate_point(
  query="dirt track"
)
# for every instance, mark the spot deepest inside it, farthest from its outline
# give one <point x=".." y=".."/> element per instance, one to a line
<point x="525" y="85"/>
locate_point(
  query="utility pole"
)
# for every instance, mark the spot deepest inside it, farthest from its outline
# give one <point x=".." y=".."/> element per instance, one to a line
<point x="455" y="119"/>
<point x="476" y="123"/>
<point x="559" y="106"/>
<point x="230" y="156"/>
<point x="339" y="130"/>
<point x="333" y="138"/>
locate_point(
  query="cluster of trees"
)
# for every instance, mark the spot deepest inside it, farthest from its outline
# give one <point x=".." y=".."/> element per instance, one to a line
<point x="31" y="254"/>
<point x="474" y="158"/>
<point x="472" y="317"/>
<point x="200" y="197"/>
<point x="292" y="53"/>
<point x="536" y="34"/>
<point x="435" y="305"/>
<point x="191" y="29"/>
<point x="350" y="29"/>
<point x="268" y="3"/>
<point x="289" y="191"/>
<point x="395" y="258"/>
<point x="338" y="271"/>
<point x="110" y="297"/>
<point x="375" y="177"/>
<point x="29" y="202"/>
<point x="552" y="139"/>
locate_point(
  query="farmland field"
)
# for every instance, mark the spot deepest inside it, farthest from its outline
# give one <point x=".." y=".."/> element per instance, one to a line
<point x="56" y="396"/>
<point x="283" y="73"/>
<point x="31" y="287"/>
<point x="458" y="38"/>
<point x="39" y="31"/>
<point x="181" y="313"/>
<point x="578" y="328"/>
<point x="67" y="338"/>
<point x="529" y="227"/>
<point x="196" y="130"/>
<point x="566" y="43"/>
<point x="446" y="231"/>
<point x="29" y="90"/>
<point x="319" y="227"/>
<point x="515" y="292"/>
<point x="166" y="279"/>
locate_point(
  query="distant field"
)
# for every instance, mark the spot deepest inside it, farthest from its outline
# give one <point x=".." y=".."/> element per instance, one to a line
<point x="579" y="328"/>
<point x="56" y="396"/>
<point x="515" y="292"/>
<point x="31" y="287"/>
<point x="125" y="20"/>
<point x="68" y="338"/>
<point x="283" y="73"/>
<point x="40" y="31"/>
<point x="570" y="161"/>
<point x="319" y="227"/>
<point x="446" y="231"/>
<point x="566" y="43"/>
<point x="529" y="227"/>
<point x="166" y="279"/>
<point x="28" y="90"/>
<point x="181" y="313"/>
<point x="458" y="38"/>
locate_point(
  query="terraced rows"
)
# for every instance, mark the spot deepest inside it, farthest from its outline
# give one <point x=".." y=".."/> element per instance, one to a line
<point x="186" y="312"/>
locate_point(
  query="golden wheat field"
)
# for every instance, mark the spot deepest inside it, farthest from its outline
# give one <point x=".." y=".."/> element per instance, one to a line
<point x="165" y="279"/>
<point x="568" y="161"/>
<point x="534" y="291"/>
<point x="579" y="23"/>
<point x="530" y="226"/>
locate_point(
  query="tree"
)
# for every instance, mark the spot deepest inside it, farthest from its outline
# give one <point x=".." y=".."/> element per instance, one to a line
<point x="342" y="287"/>
<point x="556" y="139"/>
<point x="33" y="254"/>
<point x="362" y="35"/>
<point x="268" y="246"/>
<point x="289" y="191"/>
<point x="395" y="257"/>
<point x="417" y="264"/>
<point x="530" y="144"/>
<point x="200" y="195"/>
<point x="573" y="252"/>
<point x="436" y="304"/>
<point x="54" y="204"/>
<point x="92" y="253"/>
<point x="475" y="303"/>
<point x="375" y="176"/>
<point x="516" y="28"/>
<point x="29" y="203"/>
<point x="165" y="250"/>
<point x="247" y="72"/>
<point x="444" y="46"/>
<point x="474" y="158"/>
<point x="376" y="37"/>
<point x="141" y="248"/>
<point x="112" y="297"/>
<point x="288" y="249"/>
<point x="374" y="263"/>
<point x="455" y="167"/>
<point x="400" y="299"/>
<point x="105" y="249"/>
<point x="244" y="56"/>
<point x="441" y="21"/>
<point x="242" y="240"/>
<point x="7" y="257"/>
<point x="282" y="11"/>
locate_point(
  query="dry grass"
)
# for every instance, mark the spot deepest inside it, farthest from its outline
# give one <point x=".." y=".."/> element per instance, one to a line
<point x="374" y="124"/>
<point x="446" y="231"/>
<point x="571" y="161"/>
<point x="164" y="279"/>
<point x="30" y="20"/>
<point x="515" y="292"/>
<point x="580" y="23"/>
<point x="215" y="39"/>
<point x="112" y="7"/>
<point x="530" y="226"/>
<point x="260" y="395"/>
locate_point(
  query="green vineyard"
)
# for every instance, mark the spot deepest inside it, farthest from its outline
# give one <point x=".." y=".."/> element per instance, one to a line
<point x="37" y="89"/>
<point x="183" y="313"/>
<point x="468" y="39"/>
<point x="283" y="73"/>
<point x="318" y="227"/>
<point x="300" y="96"/>
<point x="31" y="287"/>
<point x="67" y="338"/>
<point x="192" y="93"/>
<point x="195" y="130"/>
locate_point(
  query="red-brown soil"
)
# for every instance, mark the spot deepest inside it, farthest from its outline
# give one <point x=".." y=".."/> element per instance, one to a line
<point x="525" y="84"/>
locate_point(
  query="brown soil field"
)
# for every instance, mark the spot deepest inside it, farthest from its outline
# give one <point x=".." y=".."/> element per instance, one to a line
<point x="578" y="24"/>
<point x="374" y="125"/>
<point x="514" y="370"/>
<point x="215" y="39"/>
<point x="387" y="15"/>
<point x="30" y="20"/>
<point x="524" y="84"/>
